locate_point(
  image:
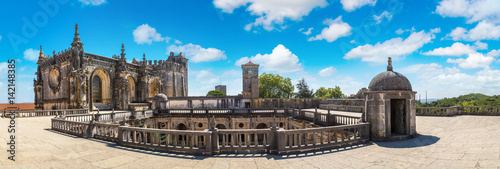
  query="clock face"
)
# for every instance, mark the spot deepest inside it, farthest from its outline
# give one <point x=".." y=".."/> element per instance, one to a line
<point x="54" y="78"/>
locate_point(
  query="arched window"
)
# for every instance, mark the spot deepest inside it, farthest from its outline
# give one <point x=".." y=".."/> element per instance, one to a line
<point x="131" y="94"/>
<point x="97" y="89"/>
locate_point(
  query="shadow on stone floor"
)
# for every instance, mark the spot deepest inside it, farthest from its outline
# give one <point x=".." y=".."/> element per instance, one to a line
<point x="418" y="141"/>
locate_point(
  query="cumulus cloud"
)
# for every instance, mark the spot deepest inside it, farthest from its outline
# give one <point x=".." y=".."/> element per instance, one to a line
<point x="281" y="60"/>
<point x="336" y="29"/>
<point x="439" y="81"/>
<point x="308" y="32"/>
<point x="395" y="48"/>
<point x="481" y="45"/>
<point x="351" y="5"/>
<point x="146" y="34"/>
<point x="327" y="72"/>
<point x="457" y="49"/>
<point x="271" y="13"/>
<point x="206" y="77"/>
<point x="472" y="10"/>
<point x="231" y="73"/>
<point x="92" y="2"/>
<point x="31" y="54"/>
<point x="483" y="31"/>
<point x="196" y="53"/>
<point x="177" y="42"/>
<point x="475" y="60"/>
<point x="493" y="53"/>
<point x="380" y="17"/>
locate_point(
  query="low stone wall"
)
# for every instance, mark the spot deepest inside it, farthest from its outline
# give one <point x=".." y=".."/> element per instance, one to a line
<point x="458" y="110"/>
<point x="346" y="102"/>
<point x="269" y="103"/>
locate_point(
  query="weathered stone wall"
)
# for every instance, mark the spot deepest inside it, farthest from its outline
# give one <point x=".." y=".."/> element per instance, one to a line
<point x="346" y="102"/>
<point x="269" y="103"/>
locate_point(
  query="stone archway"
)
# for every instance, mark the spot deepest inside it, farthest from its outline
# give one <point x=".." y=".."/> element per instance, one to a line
<point x="101" y="87"/>
<point x="131" y="93"/>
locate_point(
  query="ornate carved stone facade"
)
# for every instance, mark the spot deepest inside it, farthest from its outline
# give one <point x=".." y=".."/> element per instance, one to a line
<point x="75" y="79"/>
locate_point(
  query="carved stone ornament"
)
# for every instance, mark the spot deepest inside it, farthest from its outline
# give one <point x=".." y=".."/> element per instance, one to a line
<point x="55" y="79"/>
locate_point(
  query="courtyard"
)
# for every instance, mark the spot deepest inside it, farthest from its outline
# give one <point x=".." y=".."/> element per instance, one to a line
<point x="443" y="142"/>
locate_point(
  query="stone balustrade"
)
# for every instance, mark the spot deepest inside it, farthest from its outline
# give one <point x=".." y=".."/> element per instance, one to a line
<point x="458" y="110"/>
<point x="178" y="141"/>
<point x="76" y="128"/>
<point x="302" y="140"/>
<point x="37" y="113"/>
<point x="216" y="141"/>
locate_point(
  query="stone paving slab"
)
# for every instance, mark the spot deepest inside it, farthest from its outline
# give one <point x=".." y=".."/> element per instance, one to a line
<point x="443" y="142"/>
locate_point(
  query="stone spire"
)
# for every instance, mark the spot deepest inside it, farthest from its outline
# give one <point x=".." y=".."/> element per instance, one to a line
<point x="144" y="57"/>
<point x="76" y="39"/>
<point x="41" y="56"/>
<point x="123" y="52"/>
<point x="389" y="65"/>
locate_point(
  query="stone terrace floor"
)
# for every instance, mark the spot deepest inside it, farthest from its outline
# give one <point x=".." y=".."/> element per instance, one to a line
<point x="444" y="142"/>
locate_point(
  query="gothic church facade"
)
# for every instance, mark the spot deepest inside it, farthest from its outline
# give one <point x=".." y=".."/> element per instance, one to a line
<point x="73" y="79"/>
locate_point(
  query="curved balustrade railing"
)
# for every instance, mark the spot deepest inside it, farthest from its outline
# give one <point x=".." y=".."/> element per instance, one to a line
<point x="215" y="141"/>
<point x="37" y="113"/>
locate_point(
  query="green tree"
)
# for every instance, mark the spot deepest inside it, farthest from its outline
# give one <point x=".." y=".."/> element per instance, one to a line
<point x="215" y="93"/>
<point x="275" y="86"/>
<point x="304" y="91"/>
<point x="335" y="93"/>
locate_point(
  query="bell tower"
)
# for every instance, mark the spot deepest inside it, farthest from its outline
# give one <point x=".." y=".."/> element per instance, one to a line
<point x="250" y="80"/>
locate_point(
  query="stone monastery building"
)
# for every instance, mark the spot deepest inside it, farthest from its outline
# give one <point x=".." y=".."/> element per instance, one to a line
<point x="74" y="79"/>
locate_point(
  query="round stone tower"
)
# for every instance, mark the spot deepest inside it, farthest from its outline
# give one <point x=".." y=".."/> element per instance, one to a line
<point x="390" y="106"/>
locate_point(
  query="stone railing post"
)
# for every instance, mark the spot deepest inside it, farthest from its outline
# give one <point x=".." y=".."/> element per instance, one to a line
<point x="89" y="131"/>
<point x="277" y="141"/>
<point x="214" y="143"/>
<point x="328" y="118"/>
<point x="112" y="115"/>
<point x="120" y="135"/>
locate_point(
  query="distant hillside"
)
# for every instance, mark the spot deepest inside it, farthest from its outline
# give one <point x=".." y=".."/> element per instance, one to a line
<point x="473" y="99"/>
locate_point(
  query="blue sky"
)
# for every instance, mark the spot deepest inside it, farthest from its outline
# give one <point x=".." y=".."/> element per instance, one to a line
<point x="445" y="47"/>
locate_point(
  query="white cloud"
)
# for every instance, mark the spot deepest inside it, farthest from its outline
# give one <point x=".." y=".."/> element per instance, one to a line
<point x="327" y="72"/>
<point x="308" y="32"/>
<point x="472" y="10"/>
<point x="395" y="48"/>
<point x="475" y="60"/>
<point x="92" y="2"/>
<point x="336" y="29"/>
<point x="384" y="14"/>
<point x="439" y="81"/>
<point x="347" y="84"/>
<point x="281" y="60"/>
<point x="31" y="54"/>
<point x="3" y="68"/>
<point x="206" y="77"/>
<point x="457" y="49"/>
<point x="493" y="53"/>
<point x="401" y="31"/>
<point x="196" y="53"/>
<point x="351" y="5"/>
<point x="231" y="73"/>
<point x="146" y="34"/>
<point x="481" y="45"/>
<point x="177" y="42"/>
<point x="483" y="31"/>
<point x="271" y="13"/>
<point x="352" y="41"/>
